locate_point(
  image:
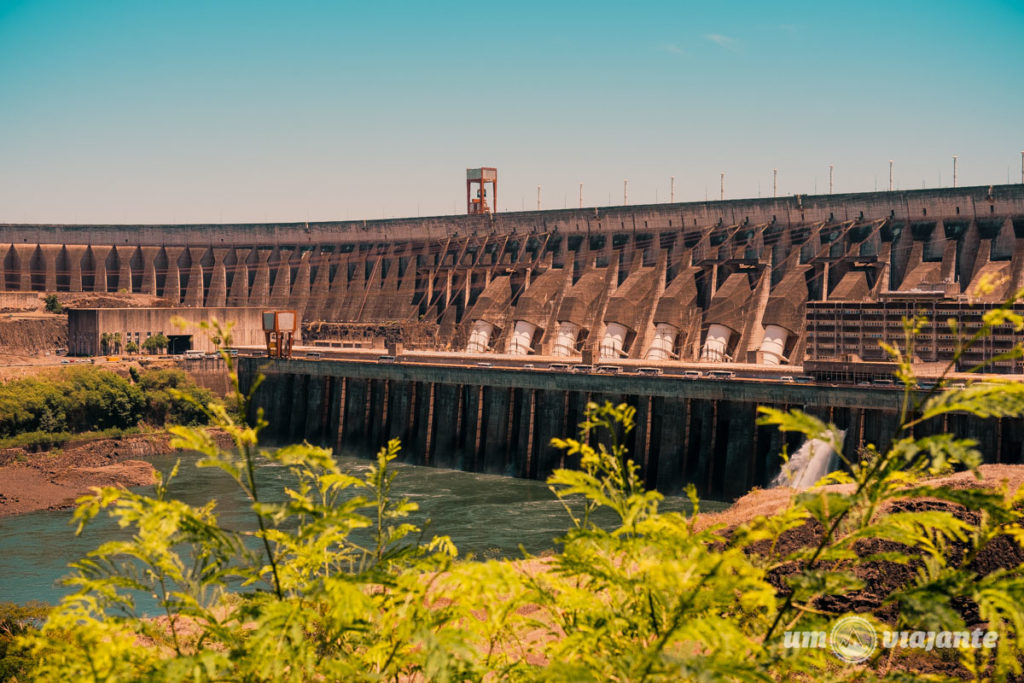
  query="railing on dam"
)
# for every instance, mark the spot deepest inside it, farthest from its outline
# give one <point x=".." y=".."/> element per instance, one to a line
<point x="501" y="421"/>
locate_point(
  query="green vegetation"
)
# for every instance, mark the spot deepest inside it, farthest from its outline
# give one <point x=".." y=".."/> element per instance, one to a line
<point x="44" y="441"/>
<point x="52" y="304"/>
<point x="110" y="342"/>
<point x="15" y="621"/>
<point x="163" y="390"/>
<point x="155" y="344"/>
<point x="86" y="399"/>
<point x="340" y="586"/>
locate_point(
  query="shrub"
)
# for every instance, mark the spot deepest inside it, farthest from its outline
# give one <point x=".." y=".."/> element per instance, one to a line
<point x="52" y="304"/>
<point x="164" y="406"/>
<point x="85" y="399"/>
<point x="156" y="343"/>
<point x="15" y="621"/>
<point x="340" y="586"/>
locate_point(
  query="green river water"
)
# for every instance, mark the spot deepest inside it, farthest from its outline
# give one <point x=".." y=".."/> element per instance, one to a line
<point x="486" y="516"/>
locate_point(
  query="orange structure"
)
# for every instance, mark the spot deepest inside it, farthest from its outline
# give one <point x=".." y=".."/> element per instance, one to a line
<point x="279" y="329"/>
<point x="480" y="177"/>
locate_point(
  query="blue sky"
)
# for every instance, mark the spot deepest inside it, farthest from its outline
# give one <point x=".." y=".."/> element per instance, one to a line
<point x="145" y="111"/>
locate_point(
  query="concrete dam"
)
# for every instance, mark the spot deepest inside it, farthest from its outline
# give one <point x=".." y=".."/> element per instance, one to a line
<point x="800" y="284"/>
<point x="713" y="281"/>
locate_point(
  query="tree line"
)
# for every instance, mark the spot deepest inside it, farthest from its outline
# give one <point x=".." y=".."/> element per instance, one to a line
<point x="87" y="399"/>
<point x="111" y="342"/>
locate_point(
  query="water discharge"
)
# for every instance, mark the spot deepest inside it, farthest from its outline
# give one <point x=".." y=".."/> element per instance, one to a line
<point x="813" y="460"/>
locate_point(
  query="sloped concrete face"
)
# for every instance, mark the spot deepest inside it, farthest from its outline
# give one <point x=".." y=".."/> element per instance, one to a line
<point x="637" y="281"/>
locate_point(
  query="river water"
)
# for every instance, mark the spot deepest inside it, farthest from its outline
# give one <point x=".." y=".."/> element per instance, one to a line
<point x="486" y="516"/>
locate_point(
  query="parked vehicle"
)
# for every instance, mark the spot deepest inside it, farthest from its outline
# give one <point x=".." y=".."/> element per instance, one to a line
<point x="804" y="379"/>
<point x="582" y="369"/>
<point x="691" y="374"/>
<point x="314" y="355"/>
<point x="558" y="367"/>
<point x="385" y="359"/>
<point x="649" y="371"/>
<point x="721" y="374"/>
<point x="608" y="369"/>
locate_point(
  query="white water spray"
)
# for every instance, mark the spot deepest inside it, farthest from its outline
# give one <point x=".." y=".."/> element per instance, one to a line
<point x="812" y="461"/>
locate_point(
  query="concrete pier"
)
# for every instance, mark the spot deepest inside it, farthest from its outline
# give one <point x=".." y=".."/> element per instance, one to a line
<point x="501" y="421"/>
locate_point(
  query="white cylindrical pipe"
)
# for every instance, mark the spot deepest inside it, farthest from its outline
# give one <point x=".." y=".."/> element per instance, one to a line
<point x="480" y="337"/>
<point x="716" y="344"/>
<point x="565" y="341"/>
<point x="614" y="338"/>
<point x="664" y="343"/>
<point x="522" y="338"/>
<point x="774" y="344"/>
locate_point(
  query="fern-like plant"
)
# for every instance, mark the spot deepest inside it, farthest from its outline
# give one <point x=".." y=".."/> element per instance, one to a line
<point x="335" y="584"/>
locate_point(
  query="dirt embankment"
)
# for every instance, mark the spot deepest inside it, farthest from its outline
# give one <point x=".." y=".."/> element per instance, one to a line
<point x="32" y="335"/>
<point x="771" y="501"/>
<point x="53" y="480"/>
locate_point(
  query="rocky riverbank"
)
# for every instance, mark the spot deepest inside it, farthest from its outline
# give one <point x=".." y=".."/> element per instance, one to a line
<point x="53" y="480"/>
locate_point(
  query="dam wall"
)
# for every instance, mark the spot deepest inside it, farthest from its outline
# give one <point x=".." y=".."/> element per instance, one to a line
<point x="501" y="421"/>
<point x="712" y="281"/>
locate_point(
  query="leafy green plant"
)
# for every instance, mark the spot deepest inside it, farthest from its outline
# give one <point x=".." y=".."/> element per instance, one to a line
<point x="173" y="397"/>
<point x="334" y="583"/>
<point x="86" y="399"/>
<point x="49" y="441"/>
<point x="16" y="621"/>
<point x="156" y="343"/>
<point x="52" y="304"/>
<point x="321" y="598"/>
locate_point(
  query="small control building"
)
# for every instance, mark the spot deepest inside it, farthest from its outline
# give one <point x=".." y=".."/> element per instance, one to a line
<point x="86" y="327"/>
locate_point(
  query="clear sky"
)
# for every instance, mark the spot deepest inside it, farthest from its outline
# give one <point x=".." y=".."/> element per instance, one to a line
<point x="186" y="110"/>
